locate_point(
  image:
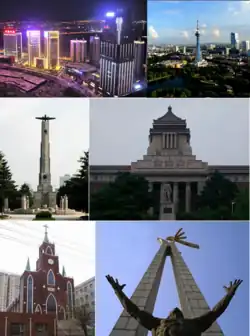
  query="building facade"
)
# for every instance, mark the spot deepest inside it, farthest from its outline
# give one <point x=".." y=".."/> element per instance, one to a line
<point x="116" y="68"/>
<point x="174" y="173"/>
<point x="140" y="52"/>
<point x="94" y="50"/>
<point x="78" y="51"/>
<point x="9" y="289"/>
<point x="12" y="43"/>
<point x="51" y="49"/>
<point x="22" y="324"/>
<point x="34" y="46"/>
<point x="85" y="297"/>
<point x="45" y="291"/>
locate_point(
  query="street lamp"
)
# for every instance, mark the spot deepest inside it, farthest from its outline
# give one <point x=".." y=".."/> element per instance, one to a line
<point x="232" y="207"/>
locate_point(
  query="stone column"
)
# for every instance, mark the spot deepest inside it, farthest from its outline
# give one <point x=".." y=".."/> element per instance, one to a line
<point x="27" y="202"/>
<point x="200" y="186"/>
<point x="62" y="203"/>
<point x="188" y="197"/>
<point x="6" y="204"/>
<point x="24" y="202"/>
<point x="144" y="296"/>
<point x="66" y="202"/>
<point x="193" y="303"/>
<point x="176" y="195"/>
<point x="150" y="189"/>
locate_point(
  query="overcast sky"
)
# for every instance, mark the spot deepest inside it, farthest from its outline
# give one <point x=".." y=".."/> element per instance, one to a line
<point x="20" y="135"/>
<point x="75" y="248"/>
<point x="119" y="128"/>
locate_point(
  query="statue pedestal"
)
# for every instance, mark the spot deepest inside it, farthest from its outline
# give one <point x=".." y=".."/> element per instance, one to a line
<point x="167" y="211"/>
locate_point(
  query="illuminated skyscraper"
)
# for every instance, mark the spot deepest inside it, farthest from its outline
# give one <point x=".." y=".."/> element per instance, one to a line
<point x="78" y="50"/>
<point x="140" y="53"/>
<point x="34" y="46"/>
<point x="51" y="49"/>
<point x="198" y="47"/>
<point x="117" y="65"/>
<point x="94" y="50"/>
<point x="12" y="42"/>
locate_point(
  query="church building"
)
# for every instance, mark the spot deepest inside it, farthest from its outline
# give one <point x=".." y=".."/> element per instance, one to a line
<point x="45" y="290"/>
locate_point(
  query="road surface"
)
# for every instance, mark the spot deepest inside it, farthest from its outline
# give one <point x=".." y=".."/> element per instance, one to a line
<point x="31" y="217"/>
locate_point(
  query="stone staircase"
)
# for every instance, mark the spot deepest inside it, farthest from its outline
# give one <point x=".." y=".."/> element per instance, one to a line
<point x="69" y="328"/>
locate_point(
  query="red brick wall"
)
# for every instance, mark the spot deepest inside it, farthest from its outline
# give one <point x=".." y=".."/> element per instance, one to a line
<point x="24" y="318"/>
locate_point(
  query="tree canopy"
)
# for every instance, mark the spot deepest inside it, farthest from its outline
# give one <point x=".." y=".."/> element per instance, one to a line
<point x="220" y="200"/>
<point x="127" y="198"/>
<point x="77" y="187"/>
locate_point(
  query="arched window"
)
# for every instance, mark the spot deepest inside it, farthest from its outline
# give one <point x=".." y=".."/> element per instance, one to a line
<point x="51" y="305"/>
<point x="38" y="309"/>
<point x="51" y="278"/>
<point x="29" y="307"/>
<point x="49" y="250"/>
<point x="70" y="295"/>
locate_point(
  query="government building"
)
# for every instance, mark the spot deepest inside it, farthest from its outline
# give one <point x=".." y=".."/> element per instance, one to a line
<point x="174" y="173"/>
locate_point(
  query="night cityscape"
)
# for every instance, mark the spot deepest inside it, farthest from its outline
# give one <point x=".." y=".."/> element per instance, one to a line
<point x="94" y="52"/>
<point x="205" y="53"/>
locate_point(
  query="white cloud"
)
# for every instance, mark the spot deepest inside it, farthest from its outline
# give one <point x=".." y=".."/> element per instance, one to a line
<point x="152" y="32"/>
<point x="216" y="32"/>
<point x="204" y="25"/>
<point x="185" y="34"/>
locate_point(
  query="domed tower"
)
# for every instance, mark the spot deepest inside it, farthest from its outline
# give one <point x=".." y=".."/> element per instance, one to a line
<point x="174" y="174"/>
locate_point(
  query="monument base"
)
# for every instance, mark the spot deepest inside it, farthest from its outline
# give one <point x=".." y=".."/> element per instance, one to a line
<point x="44" y="200"/>
<point x="167" y="211"/>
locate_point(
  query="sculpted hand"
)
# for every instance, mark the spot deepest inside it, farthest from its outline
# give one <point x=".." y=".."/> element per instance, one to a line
<point x="115" y="283"/>
<point x="233" y="286"/>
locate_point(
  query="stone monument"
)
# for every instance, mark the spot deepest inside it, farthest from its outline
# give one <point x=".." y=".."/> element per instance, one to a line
<point x="44" y="197"/>
<point x="195" y="316"/>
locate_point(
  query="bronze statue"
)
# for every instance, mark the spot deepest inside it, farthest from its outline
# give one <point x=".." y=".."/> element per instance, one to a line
<point x="175" y="324"/>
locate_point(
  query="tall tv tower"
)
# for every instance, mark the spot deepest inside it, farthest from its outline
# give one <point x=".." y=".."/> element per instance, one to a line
<point x="198" y="47"/>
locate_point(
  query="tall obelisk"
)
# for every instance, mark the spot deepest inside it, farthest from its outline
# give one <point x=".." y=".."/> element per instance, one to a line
<point x="44" y="197"/>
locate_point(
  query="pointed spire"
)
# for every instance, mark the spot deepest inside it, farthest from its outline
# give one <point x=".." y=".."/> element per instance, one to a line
<point x="46" y="239"/>
<point x="27" y="268"/>
<point x="197" y="27"/>
<point x="63" y="272"/>
<point x="170" y="109"/>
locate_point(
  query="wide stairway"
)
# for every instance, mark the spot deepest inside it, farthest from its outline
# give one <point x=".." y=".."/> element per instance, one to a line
<point x="69" y="328"/>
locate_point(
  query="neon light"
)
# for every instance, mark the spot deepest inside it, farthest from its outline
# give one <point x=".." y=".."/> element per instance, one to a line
<point x="33" y="33"/>
<point x="11" y="32"/>
<point x="110" y="14"/>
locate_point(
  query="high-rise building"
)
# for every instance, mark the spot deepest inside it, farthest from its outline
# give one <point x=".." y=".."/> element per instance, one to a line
<point x="78" y="51"/>
<point x="9" y="289"/>
<point x="139" y="50"/>
<point x="117" y="65"/>
<point x="245" y="45"/>
<point x="51" y="49"/>
<point x="198" y="47"/>
<point x="235" y="41"/>
<point x="64" y="179"/>
<point x="85" y="297"/>
<point x="34" y="46"/>
<point x="45" y="290"/>
<point x="94" y="50"/>
<point x="12" y="43"/>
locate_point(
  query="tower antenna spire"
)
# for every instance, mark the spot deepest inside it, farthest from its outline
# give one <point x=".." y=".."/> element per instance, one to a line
<point x="197" y="27"/>
<point x="46" y="239"/>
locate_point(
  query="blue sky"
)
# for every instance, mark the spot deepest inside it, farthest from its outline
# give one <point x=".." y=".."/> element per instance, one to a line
<point x="174" y="22"/>
<point x="125" y="249"/>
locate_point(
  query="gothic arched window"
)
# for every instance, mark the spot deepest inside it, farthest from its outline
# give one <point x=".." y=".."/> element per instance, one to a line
<point x="70" y="295"/>
<point x="51" y="278"/>
<point x="29" y="307"/>
<point x="49" y="250"/>
<point x="51" y="305"/>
